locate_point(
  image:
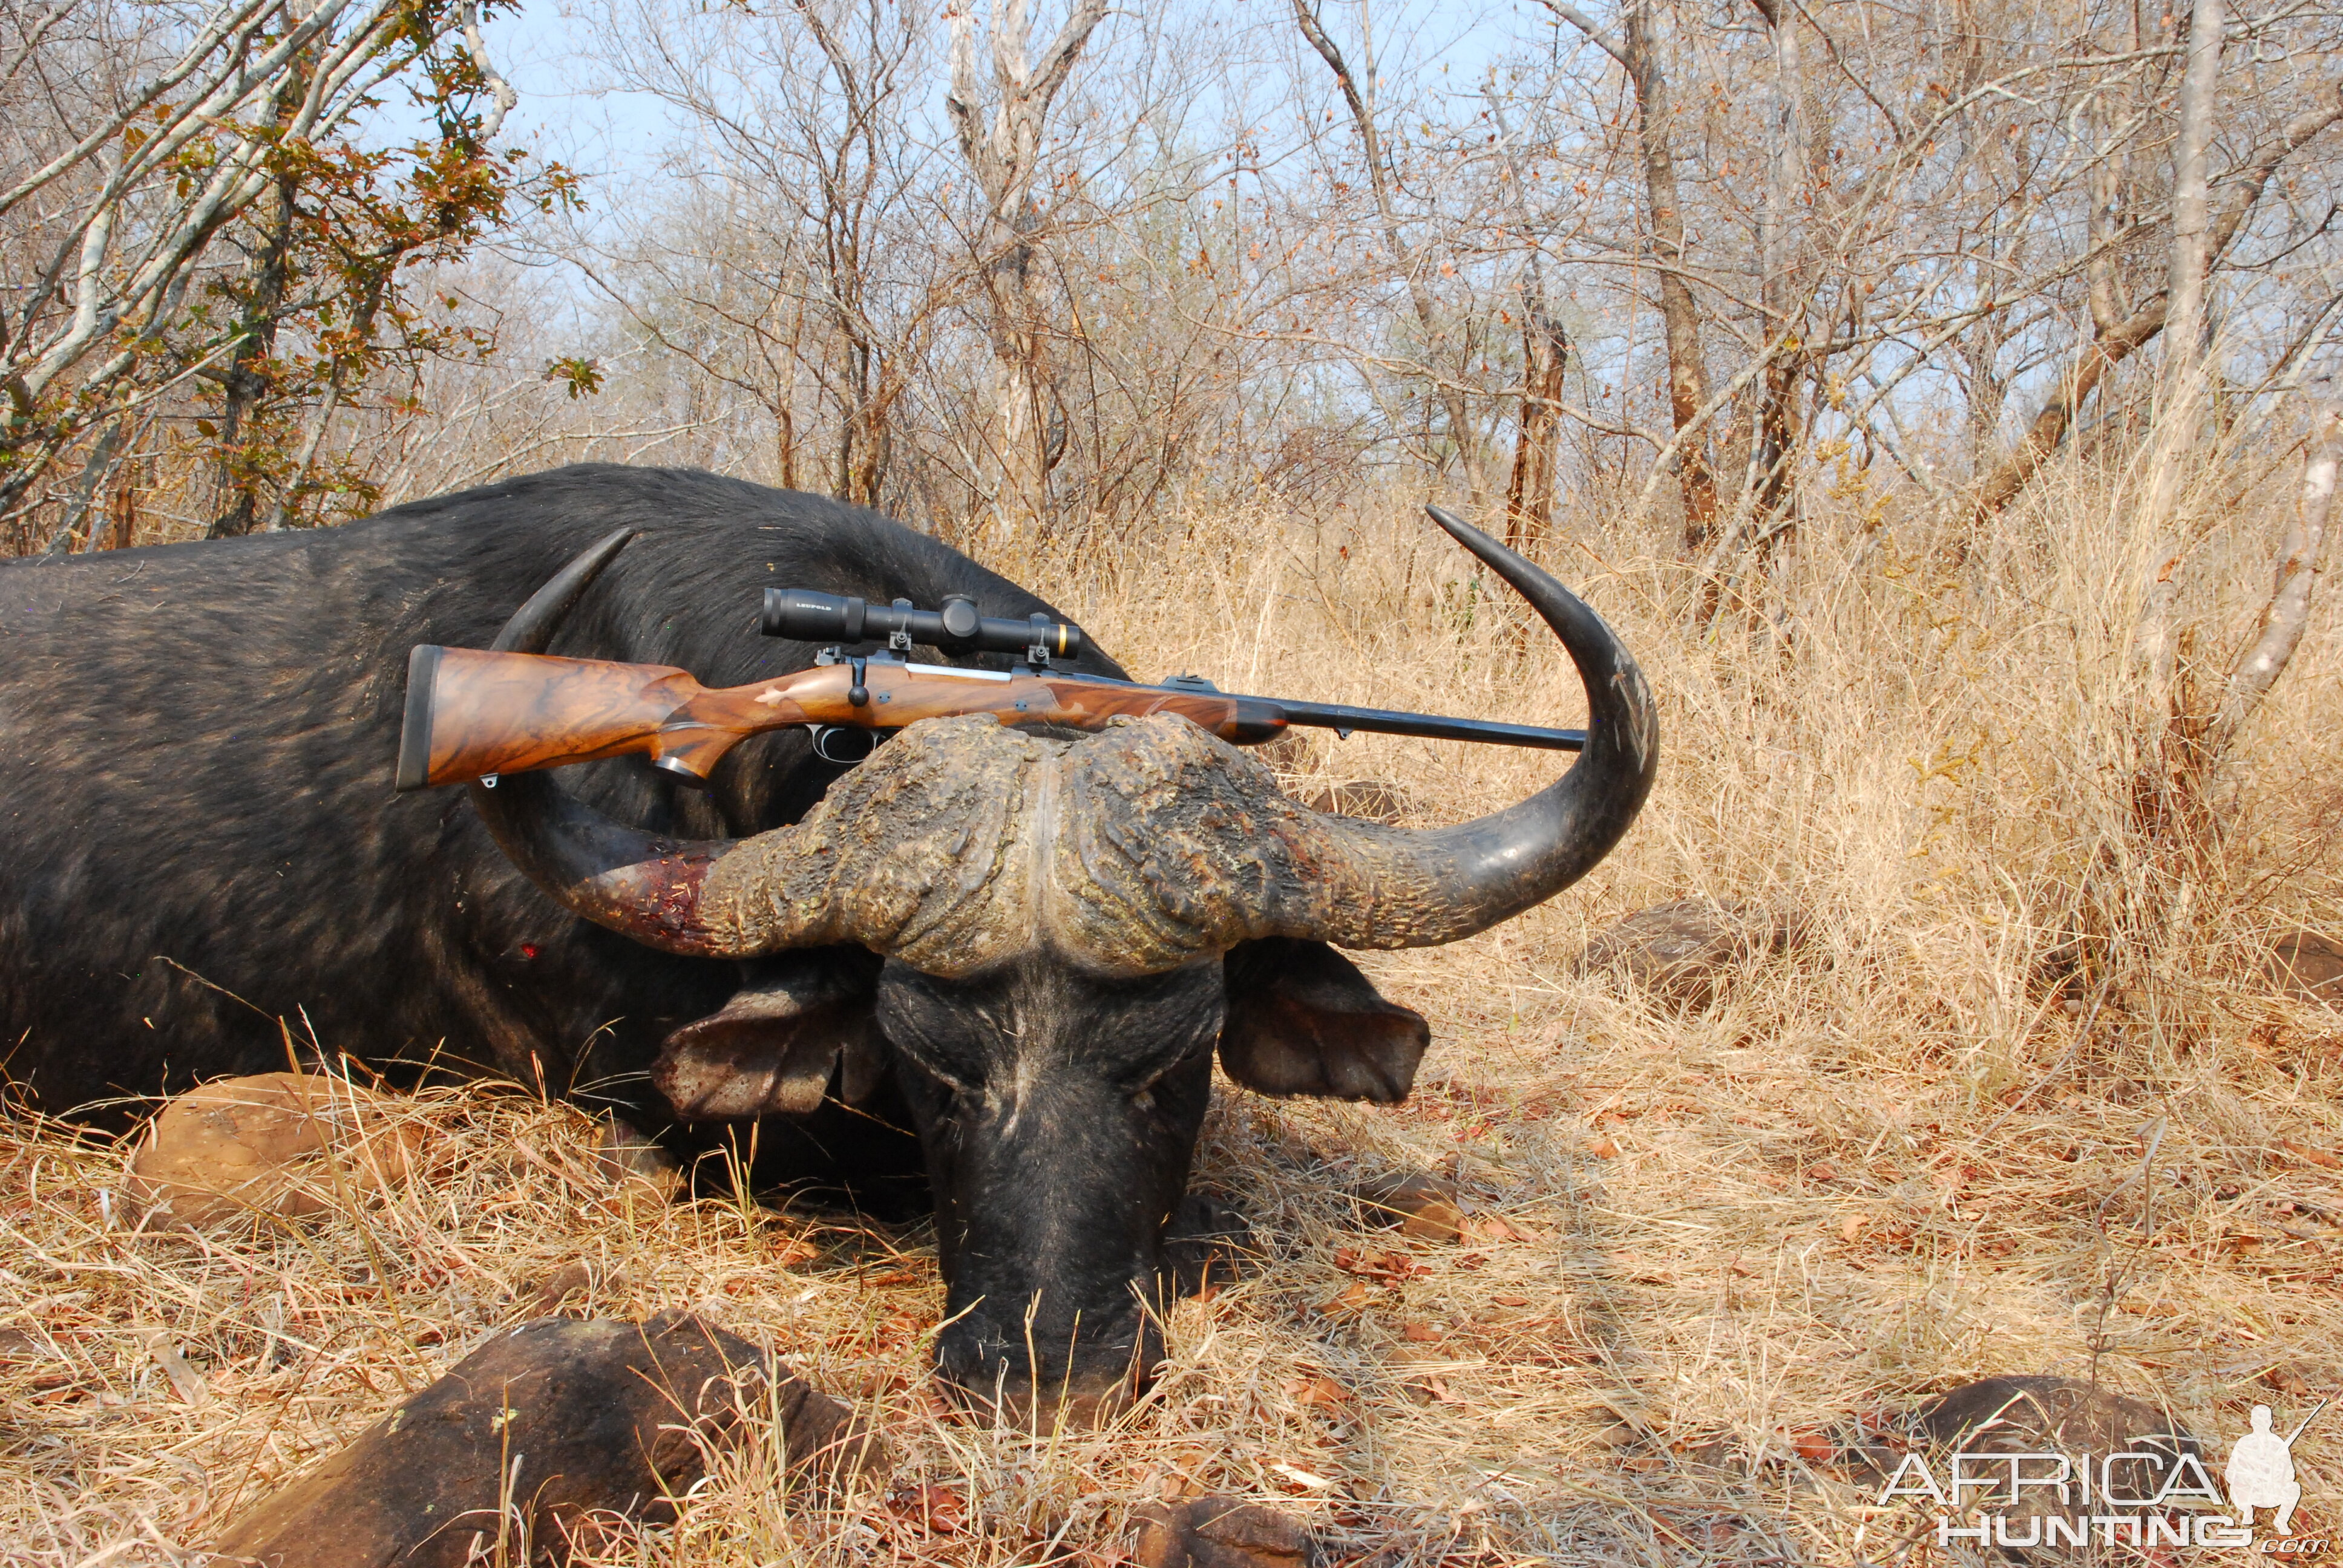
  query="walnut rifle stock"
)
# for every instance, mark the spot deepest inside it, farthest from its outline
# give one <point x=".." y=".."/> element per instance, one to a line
<point x="472" y="714"/>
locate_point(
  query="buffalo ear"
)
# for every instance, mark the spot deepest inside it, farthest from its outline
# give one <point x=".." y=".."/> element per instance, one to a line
<point x="1302" y="1019"/>
<point x="797" y="1018"/>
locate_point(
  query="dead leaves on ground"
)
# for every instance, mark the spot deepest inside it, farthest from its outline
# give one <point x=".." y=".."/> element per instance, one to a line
<point x="1320" y="1393"/>
<point x="2318" y="1157"/>
<point x="928" y="1510"/>
<point x="1389" y="1268"/>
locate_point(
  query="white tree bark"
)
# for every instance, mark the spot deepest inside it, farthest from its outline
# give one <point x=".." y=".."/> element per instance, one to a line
<point x="2180" y="415"/>
<point x="2288" y="610"/>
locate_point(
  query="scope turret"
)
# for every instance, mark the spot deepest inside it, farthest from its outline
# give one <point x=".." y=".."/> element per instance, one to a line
<point x="810" y="617"/>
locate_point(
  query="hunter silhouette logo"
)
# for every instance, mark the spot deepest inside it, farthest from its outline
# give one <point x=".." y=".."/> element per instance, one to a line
<point x="2260" y="1473"/>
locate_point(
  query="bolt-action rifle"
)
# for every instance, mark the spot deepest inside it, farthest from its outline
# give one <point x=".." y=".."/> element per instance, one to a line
<point x="474" y="714"/>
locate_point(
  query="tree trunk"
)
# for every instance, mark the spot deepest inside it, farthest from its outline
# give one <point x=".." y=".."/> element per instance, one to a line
<point x="1546" y="356"/>
<point x="2181" y="399"/>
<point x="1025" y="432"/>
<point x="1002" y="154"/>
<point x="84" y="489"/>
<point x="244" y="386"/>
<point x="1688" y="390"/>
<point x="1768" y="478"/>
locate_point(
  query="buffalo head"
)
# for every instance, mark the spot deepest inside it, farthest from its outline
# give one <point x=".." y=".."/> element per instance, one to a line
<point x="1043" y="939"/>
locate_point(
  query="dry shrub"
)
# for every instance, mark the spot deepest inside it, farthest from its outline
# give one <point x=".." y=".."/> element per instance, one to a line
<point x="2024" y="1101"/>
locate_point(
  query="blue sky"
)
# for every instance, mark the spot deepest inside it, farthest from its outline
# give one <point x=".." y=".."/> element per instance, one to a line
<point x="603" y="134"/>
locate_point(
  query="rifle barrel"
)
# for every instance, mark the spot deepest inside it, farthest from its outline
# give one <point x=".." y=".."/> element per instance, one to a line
<point x="1431" y="726"/>
<point x="1386" y="721"/>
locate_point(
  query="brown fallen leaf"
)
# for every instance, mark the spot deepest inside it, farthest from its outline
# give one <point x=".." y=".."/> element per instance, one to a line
<point x="1605" y="1148"/>
<point x="1823" y="1171"/>
<point x="2318" y="1157"/>
<point x="542" y="1299"/>
<point x="1318" y="1393"/>
<point x="1419" y="1333"/>
<point x="929" y="1509"/>
<point x="1388" y="1268"/>
<point x="1425" y="1208"/>
<point x="789" y="1250"/>
<point x="1496" y="1228"/>
<point x="1351" y="1301"/>
<point x="1813" y="1447"/>
<point x="1850" y="1227"/>
<point x="185" y="1380"/>
<point x="1428" y="1388"/>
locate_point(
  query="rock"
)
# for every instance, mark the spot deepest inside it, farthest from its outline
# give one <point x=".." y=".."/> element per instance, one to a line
<point x="2055" y="1415"/>
<point x="626" y="1156"/>
<point x="1215" y="1531"/>
<point x="1424" y="1207"/>
<point x="1684" y="951"/>
<point x="258" y="1145"/>
<point x="2006" y="1414"/>
<point x="572" y="1418"/>
<point x="2309" y="966"/>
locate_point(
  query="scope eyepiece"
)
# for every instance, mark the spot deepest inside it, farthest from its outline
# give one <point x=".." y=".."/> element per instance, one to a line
<point x="807" y="615"/>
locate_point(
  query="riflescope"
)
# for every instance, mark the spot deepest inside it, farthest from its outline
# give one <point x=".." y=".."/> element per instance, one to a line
<point x="956" y="627"/>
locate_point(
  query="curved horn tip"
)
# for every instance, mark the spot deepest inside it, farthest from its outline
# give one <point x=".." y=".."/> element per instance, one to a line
<point x="1477" y="873"/>
<point x="532" y="626"/>
<point x="1492" y="550"/>
<point x="1458" y="528"/>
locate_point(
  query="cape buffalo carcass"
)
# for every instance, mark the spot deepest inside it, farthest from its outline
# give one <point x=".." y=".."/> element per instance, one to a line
<point x="1020" y="950"/>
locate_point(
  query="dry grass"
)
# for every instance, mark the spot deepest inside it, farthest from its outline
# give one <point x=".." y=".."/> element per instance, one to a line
<point x="1907" y="1155"/>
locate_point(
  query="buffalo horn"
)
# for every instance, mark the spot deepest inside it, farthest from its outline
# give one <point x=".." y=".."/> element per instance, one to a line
<point x="638" y="884"/>
<point x="1382" y="887"/>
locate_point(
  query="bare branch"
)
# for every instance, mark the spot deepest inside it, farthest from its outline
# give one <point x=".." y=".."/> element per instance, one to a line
<point x="2286" y="611"/>
<point x="499" y="90"/>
